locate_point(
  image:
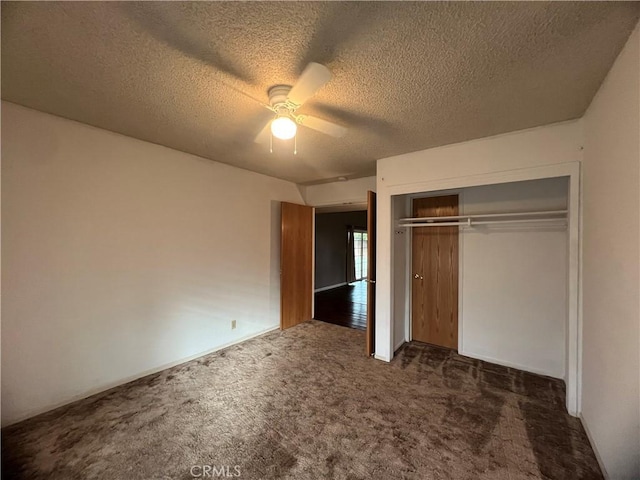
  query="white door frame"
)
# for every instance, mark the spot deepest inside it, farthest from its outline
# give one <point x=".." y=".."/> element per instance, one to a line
<point x="384" y="286"/>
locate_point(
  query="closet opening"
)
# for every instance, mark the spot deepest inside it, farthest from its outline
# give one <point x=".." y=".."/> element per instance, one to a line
<point x="484" y="271"/>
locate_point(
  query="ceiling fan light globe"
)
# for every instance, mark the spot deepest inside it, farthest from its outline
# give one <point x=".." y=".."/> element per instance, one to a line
<point x="283" y="128"/>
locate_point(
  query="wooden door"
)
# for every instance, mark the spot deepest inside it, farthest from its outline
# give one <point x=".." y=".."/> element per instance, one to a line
<point x="371" y="272"/>
<point x="434" y="300"/>
<point x="296" y="264"/>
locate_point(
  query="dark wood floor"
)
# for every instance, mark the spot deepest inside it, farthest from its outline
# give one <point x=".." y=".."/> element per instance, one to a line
<point x="346" y="306"/>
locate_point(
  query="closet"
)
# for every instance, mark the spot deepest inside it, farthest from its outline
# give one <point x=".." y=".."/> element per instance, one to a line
<point x="483" y="271"/>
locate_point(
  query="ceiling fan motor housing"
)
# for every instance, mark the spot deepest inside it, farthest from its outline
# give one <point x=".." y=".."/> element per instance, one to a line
<point x="278" y="95"/>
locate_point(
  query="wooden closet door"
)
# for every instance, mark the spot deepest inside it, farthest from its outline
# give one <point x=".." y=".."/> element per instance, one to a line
<point x="434" y="301"/>
<point x="296" y="264"/>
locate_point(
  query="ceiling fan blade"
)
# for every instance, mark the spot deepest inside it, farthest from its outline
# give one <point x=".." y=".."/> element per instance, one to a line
<point x="323" y="126"/>
<point x="263" y="136"/>
<point x="311" y="80"/>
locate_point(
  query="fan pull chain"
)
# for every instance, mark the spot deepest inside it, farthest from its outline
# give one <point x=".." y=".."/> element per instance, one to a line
<point x="295" y="144"/>
<point x="271" y="143"/>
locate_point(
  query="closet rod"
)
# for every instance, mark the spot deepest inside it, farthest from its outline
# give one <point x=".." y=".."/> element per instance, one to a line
<point x="486" y="215"/>
<point x="471" y="223"/>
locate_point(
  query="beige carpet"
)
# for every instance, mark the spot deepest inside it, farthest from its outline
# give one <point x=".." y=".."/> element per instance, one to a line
<point x="306" y="404"/>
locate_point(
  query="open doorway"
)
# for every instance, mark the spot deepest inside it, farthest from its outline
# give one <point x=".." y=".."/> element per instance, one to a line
<point x="341" y="265"/>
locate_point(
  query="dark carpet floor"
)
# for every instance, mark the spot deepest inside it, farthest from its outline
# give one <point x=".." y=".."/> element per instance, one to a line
<point x="306" y="404"/>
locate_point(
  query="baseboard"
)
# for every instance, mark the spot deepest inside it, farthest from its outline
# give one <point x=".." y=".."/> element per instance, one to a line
<point x="593" y="446"/>
<point x="382" y="358"/>
<point x="110" y="385"/>
<point x="518" y="366"/>
<point x="330" y="287"/>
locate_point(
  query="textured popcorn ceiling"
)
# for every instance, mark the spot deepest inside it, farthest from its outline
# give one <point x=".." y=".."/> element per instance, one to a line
<point x="407" y="76"/>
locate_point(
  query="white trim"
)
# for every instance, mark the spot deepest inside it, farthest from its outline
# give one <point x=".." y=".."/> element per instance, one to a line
<point x="330" y="287"/>
<point x="579" y="262"/>
<point x="352" y="205"/>
<point x="408" y="286"/>
<point x="397" y="347"/>
<point x="313" y="262"/>
<point x="132" y="378"/>
<point x="573" y="365"/>
<point x="409" y="275"/>
<point x="594" y="448"/>
<point x="507" y="176"/>
<point x="384" y="303"/>
<point x="382" y="357"/>
<point x="461" y="208"/>
<point x="525" y="368"/>
<point x="356" y="202"/>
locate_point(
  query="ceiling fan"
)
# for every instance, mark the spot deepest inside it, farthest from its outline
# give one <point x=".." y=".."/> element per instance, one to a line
<point x="284" y="100"/>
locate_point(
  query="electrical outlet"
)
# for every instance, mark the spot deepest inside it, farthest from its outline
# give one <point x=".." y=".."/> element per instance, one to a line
<point x="233" y="324"/>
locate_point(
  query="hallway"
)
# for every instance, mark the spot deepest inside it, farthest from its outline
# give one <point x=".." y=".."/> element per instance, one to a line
<point x="346" y="305"/>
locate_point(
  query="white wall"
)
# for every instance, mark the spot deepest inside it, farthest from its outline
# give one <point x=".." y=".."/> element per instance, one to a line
<point x="350" y="192"/>
<point x="121" y="257"/>
<point x="611" y="287"/>
<point x="551" y="144"/>
<point x="514" y="279"/>
<point x="401" y="274"/>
